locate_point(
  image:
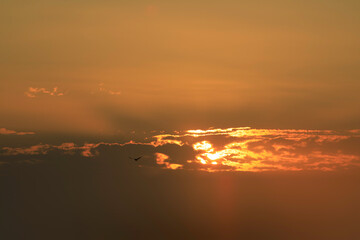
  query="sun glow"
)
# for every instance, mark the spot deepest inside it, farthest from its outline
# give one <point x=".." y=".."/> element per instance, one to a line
<point x="203" y="161"/>
<point x="214" y="156"/>
<point x="233" y="149"/>
<point x="267" y="149"/>
<point x="204" y="145"/>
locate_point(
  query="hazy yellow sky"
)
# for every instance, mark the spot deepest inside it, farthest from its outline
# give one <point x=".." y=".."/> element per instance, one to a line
<point x="138" y="65"/>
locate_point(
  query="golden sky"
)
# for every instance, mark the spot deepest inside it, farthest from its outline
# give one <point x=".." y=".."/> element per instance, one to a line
<point x="105" y="67"/>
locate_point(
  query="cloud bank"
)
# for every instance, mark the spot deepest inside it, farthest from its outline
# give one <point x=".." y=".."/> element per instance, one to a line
<point x="232" y="149"/>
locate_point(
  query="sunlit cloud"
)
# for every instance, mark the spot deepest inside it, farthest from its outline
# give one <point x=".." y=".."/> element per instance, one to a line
<point x="4" y="131"/>
<point x="217" y="131"/>
<point x="67" y="148"/>
<point x="246" y="149"/>
<point x="85" y="150"/>
<point x="33" y="92"/>
<point x="204" y="145"/>
<point x="163" y="160"/>
<point x="233" y="149"/>
<point x="274" y="149"/>
<point x="163" y="139"/>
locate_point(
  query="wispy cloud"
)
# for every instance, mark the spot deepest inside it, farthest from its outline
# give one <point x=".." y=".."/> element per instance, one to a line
<point x="4" y="131"/>
<point x="33" y="92"/>
<point x="86" y="150"/>
<point x="107" y="91"/>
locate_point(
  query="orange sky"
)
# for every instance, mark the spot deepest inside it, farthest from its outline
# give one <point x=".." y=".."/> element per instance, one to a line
<point x="141" y="65"/>
<point x="242" y="115"/>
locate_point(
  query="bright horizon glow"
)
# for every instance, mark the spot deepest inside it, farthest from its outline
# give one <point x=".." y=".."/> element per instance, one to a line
<point x="230" y="149"/>
<point x="268" y="149"/>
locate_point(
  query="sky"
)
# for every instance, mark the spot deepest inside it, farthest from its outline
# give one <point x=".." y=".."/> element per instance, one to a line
<point x="179" y="65"/>
<point x="245" y="115"/>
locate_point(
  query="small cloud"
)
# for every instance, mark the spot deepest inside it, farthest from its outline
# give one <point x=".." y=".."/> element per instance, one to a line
<point x="4" y="131"/>
<point x="34" y="92"/>
<point x="162" y="159"/>
<point x="107" y="91"/>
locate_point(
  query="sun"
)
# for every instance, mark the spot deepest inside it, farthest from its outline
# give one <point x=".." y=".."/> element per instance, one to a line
<point x="204" y="145"/>
<point x="213" y="156"/>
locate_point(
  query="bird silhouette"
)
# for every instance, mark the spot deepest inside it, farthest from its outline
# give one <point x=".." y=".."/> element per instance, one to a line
<point x="135" y="158"/>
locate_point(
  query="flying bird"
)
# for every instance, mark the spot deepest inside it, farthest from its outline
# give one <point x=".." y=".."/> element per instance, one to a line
<point x="135" y="158"/>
